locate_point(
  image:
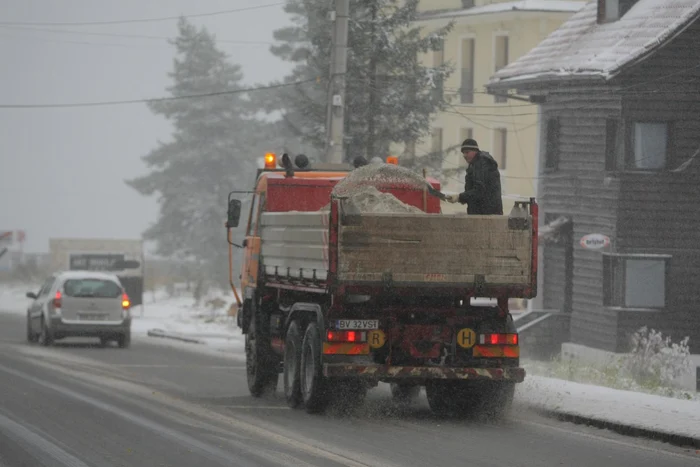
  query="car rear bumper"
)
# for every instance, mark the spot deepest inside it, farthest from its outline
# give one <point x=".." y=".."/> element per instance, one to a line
<point x="422" y="373"/>
<point x="59" y="328"/>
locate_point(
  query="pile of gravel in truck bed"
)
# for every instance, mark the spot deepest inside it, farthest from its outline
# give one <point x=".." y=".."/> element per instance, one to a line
<point x="367" y="199"/>
<point x="360" y="193"/>
<point x="377" y="174"/>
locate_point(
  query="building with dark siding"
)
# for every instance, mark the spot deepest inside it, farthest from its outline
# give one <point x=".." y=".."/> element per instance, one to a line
<point x="619" y="91"/>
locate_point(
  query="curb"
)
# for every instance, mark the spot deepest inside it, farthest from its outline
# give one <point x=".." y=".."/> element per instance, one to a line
<point x="163" y="334"/>
<point x="625" y="429"/>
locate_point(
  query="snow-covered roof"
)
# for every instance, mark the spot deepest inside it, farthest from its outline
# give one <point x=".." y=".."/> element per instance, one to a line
<point x="583" y="48"/>
<point x="522" y="5"/>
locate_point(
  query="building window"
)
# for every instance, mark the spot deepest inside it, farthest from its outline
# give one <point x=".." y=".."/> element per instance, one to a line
<point x="464" y="133"/>
<point x="613" y="144"/>
<point x="551" y="155"/>
<point x="608" y="10"/>
<point x="612" y="10"/>
<point x="500" y="143"/>
<point x="438" y="61"/>
<point x="649" y="145"/>
<point x="466" y="87"/>
<point x="635" y="281"/>
<point x="436" y="142"/>
<point x="500" y="60"/>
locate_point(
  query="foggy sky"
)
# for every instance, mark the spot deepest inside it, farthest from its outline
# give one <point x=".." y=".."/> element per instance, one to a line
<point x="62" y="170"/>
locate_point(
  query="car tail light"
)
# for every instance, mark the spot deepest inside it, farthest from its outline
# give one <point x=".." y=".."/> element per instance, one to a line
<point x="346" y="336"/>
<point x="126" y="303"/>
<point x="57" y="300"/>
<point x="498" y="339"/>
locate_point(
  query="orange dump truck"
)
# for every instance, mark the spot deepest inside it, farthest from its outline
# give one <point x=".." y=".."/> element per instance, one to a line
<point x="338" y="300"/>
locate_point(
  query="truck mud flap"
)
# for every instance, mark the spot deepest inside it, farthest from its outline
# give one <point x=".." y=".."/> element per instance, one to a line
<point x="382" y="372"/>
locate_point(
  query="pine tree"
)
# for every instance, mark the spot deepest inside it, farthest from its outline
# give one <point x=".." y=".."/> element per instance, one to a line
<point x="390" y="96"/>
<point x="212" y="151"/>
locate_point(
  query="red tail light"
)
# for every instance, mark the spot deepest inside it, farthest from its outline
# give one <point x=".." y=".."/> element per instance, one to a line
<point x="498" y="339"/>
<point x="57" y="300"/>
<point x="346" y="336"/>
<point x="126" y="303"/>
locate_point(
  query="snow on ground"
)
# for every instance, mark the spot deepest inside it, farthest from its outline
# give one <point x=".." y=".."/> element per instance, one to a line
<point x="13" y="297"/>
<point x="181" y="317"/>
<point x="656" y="413"/>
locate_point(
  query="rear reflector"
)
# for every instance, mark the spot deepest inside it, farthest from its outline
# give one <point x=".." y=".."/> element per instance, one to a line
<point x="496" y="351"/>
<point x="345" y="348"/>
<point x="346" y="336"/>
<point x="498" y="339"/>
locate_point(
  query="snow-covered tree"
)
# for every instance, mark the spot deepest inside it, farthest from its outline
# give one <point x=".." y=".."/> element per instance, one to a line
<point x="213" y="150"/>
<point x="390" y="95"/>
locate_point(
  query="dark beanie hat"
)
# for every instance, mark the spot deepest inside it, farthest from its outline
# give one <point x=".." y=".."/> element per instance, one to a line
<point x="470" y="144"/>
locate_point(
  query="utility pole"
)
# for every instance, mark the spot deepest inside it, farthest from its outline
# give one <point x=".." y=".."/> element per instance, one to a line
<point x="335" y="146"/>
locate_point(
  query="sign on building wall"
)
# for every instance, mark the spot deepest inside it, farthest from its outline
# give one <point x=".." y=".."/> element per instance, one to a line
<point x="595" y="241"/>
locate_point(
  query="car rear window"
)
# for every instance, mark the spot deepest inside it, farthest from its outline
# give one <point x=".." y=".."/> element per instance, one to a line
<point x="94" y="288"/>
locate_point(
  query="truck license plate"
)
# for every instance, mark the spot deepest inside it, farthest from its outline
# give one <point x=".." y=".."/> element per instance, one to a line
<point x="361" y="324"/>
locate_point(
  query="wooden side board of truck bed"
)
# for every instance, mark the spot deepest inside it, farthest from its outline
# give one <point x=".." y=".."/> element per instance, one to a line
<point x="432" y="248"/>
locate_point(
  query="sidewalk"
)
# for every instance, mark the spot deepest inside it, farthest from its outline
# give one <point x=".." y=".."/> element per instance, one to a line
<point x="663" y="418"/>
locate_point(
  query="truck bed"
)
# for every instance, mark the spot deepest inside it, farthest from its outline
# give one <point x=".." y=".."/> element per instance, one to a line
<point x="420" y="249"/>
<point x="401" y="250"/>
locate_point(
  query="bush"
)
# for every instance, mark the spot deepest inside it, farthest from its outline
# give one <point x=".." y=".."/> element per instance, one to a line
<point x="655" y="360"/>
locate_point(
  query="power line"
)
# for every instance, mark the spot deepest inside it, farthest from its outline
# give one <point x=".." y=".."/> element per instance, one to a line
<point x="157" y="99"/>
<point x="135" y="36"/>
<point x="138" y="20"/>
<point x="69" y="41"/>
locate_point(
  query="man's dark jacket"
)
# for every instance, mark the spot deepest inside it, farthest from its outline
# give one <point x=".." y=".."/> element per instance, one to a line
<point x="482" y="186"/>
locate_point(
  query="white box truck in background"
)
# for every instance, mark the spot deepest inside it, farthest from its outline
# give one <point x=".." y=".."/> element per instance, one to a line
<point x="123" y="257"/>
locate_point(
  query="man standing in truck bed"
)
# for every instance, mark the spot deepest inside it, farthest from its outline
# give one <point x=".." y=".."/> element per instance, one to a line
<point x="482" y="183"/>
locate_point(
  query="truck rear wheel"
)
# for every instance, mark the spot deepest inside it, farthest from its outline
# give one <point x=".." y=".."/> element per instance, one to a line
<point x="497" y="400"/>
<point x="442" y="398"/>
<point x="292" y="364"/>
<point x="403" y="393"/>
<point x="261" y="370"/>
<point x="314" y="387"/>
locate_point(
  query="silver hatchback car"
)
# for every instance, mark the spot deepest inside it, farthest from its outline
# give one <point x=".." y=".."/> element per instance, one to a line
<point x="80" y="304"/>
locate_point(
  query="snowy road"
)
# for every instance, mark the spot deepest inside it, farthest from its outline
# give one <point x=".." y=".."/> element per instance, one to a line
<point x="81" y="405"/>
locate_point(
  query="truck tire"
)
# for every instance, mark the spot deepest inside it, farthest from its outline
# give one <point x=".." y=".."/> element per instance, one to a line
<point x="261" y="370"/>
<point x="441" y="398"/>
<point x="403" y="393"/>
<point x="497" y="401"/>
<point x="314" y="386"/>
<point x="292" y="365"/>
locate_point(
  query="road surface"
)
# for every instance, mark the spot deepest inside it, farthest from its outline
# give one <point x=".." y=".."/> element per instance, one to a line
<point x="77" y="405"/>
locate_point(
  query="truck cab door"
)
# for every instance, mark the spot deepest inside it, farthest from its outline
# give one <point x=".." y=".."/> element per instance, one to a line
<point x="252" y="244"/>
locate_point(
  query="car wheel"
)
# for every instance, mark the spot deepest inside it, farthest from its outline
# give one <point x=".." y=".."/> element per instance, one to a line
<point x="31" y="335"/>
<point x="45" y="337"/>
<point x="124" y="340"/>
